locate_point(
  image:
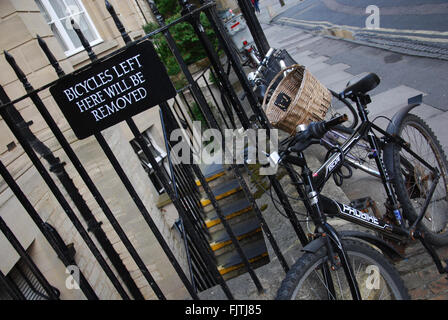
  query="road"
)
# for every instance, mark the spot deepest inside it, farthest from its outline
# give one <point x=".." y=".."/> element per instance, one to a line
<point x="398" y="14"/>
<point x="414" y="25"/>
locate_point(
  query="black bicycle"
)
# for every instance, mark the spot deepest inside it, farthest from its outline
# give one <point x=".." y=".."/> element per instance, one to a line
<point x="339" y="265"/>
<point x="411" y="177"/>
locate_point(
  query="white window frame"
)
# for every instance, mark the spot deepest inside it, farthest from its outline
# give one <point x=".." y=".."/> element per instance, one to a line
<point x="65" y="37"/>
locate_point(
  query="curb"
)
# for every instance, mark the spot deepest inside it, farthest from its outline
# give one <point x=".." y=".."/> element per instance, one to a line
<point x="367" y="44"/>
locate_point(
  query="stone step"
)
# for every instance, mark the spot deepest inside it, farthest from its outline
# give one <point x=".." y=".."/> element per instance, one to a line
<point x="218" y="180"/>
<point x="229" y="211"/>
<point x="222" y="191"/>
<point x="212" y="172"/>
<point x="242" y="230"/>
<point x="231" y="264"/>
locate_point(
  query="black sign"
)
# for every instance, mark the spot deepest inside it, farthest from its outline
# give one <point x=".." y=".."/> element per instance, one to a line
<point x="113" y="90"/>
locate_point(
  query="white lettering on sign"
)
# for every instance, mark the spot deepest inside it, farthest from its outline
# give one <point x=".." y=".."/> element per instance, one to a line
<point x="120" y="103"/>
<point x="122" y="83"/>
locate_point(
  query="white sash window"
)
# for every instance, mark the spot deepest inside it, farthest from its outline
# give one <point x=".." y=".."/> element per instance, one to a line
<point x="58" y="15"/>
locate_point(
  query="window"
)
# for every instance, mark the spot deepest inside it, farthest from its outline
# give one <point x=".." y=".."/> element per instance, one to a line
<point x="25" y="283"/>
<point x="158" y="154"/>
<point x="58" y="15"/>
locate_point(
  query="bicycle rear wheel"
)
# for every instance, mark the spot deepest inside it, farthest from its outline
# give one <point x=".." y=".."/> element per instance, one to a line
<point x="377" y="278"/>
<point x="412" y="179"/>
<point x="358" y="157"/>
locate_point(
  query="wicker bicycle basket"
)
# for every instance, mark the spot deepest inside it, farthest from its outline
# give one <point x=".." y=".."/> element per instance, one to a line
<point x="299" y="98"/>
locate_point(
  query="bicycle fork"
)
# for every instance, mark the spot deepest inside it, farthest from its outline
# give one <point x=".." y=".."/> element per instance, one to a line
<point x="333" y="244"/>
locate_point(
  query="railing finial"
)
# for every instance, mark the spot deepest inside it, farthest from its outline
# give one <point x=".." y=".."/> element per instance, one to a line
<point x="156" y="12"/>
<point x="51" y="58"/>
<point x="186" y="7"/>
<point x="84" y="41"/>
<point x="19" y="72"/>
<point x="118" y="23"/>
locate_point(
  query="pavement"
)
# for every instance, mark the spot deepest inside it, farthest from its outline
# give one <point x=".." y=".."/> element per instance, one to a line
<point x="413" y="27"/>
<point x="334" y="62"/>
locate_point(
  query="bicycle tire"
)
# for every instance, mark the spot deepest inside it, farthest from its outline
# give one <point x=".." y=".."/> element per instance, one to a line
<point x="410" y="196"/>
<point x="294" y="281"/>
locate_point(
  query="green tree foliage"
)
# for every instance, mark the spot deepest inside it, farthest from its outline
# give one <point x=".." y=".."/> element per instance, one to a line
<point x="168" y="8"/>
<point x="186" y="40"/>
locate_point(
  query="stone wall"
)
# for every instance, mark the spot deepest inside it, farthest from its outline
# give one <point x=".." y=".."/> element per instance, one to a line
<point x="20" y="21"/>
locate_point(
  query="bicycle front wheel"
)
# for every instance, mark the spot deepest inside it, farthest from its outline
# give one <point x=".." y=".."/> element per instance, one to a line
<point x="413" y="179"/>
<point x="377" y="278"/>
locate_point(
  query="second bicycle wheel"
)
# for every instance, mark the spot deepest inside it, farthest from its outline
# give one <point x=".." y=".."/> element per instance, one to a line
<point x="377" y="278"/>
<point x="414" y="180"/>
<point x="358" y="157"/>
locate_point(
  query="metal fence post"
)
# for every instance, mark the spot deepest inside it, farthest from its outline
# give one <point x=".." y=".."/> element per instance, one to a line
<point x="213" y="124"/>
<point x="12" y="289"/>
<point x="58" y="169"/>
<point x="130" y="188"/>
<point x="20" y="131"/>
<point x="187" y="7"/>
<point x="58" y="246"/>
<point x="197" y="94"/>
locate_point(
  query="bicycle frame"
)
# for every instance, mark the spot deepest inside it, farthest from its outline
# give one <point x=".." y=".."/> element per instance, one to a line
<point x="334" y="162"/>
<point x="352" y="160"/>
<point x="320" y="206"/>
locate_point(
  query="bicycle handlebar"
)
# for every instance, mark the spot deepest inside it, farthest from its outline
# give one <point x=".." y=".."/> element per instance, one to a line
<point x="264" y="62"/>
<point x="311" y="135"/>
<point x="335" y="121"/>
<point x="254" y="78"/>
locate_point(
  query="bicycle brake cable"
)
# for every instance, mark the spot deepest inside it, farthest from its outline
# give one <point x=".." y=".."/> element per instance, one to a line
<point x="338" y="175"/>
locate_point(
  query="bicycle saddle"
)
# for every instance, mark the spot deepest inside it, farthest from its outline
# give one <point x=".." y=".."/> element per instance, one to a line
<point x="362" y="86"/>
